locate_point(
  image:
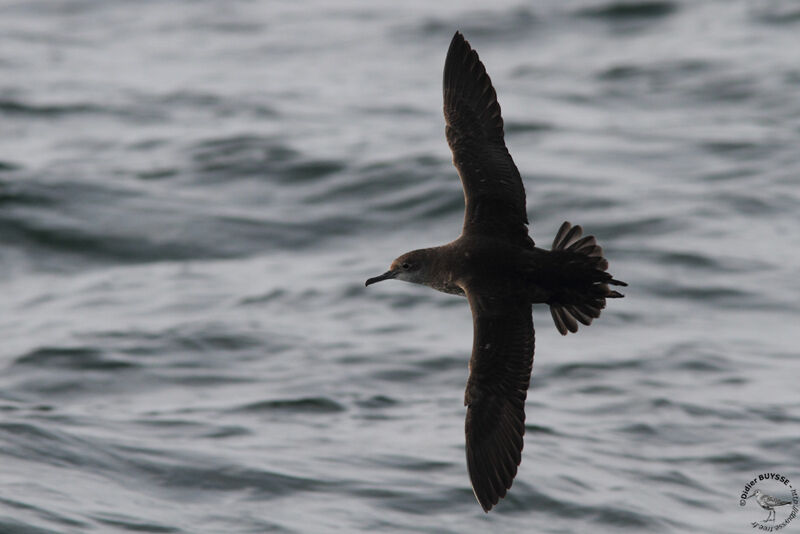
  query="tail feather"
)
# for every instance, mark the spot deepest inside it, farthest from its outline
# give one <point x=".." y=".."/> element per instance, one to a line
<point x="580" y="314"/>
<point x="584" y="243"/>
<point x="558" y="241"/>
<point x="584" y="305"/>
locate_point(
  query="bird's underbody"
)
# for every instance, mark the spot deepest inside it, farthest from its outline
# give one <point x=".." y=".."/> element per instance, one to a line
<point x="495" y="264"/>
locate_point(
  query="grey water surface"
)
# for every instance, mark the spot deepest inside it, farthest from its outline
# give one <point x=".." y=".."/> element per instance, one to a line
<point x="192" y="194"/>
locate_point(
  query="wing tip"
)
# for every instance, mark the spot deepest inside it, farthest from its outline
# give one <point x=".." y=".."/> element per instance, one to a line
<point x="457" y="54"/>
<point x="493" y="465"/>
<point x="486" y="503"/>
<point x="457" y="39"/>
<point x="465" y="82"/>
<point x="488" y="495"/>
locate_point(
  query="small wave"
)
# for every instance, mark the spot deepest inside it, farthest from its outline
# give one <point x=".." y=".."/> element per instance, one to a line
<point x="655" y="83"/>
<point x="655" y="72"/>
<point x="400" y="375"/>
<point x="732" y="147"/>
<point x="239" y="156"/>
<point x="39" y="512"/>
<point x="78" y="223"/>
<point x="415" y="503"/>
<point x="270" y="296"/>
<point x="192" y="338"/>
<point x="377" y="402"/>
<point x="588" y="370"/>
<point x="385" y="178"/>
<point x="688" y="259"/>
<point x="631" y="10"/>
<point x="710" y="295"/>
<point x="308" y="405"/>
<point x="15" y="107"/>
<point x="735" y="462"/>
<point x="527" y="500"/>
<point x="22" y="194"/>
<point x="80" y="358"/>
<point x="697" y="410"/>
<point x="78" y="242"/>
<point x="41" y="441"/>
<point x="6" y="166"/>
<point x="775" y="414"/>
<point x="157" y="174"/>
<point x="492" y="25"/>
<point x="740" y="172"/>
<point x="676" y="478"/>
<point x="531" y="428"/>
<point x="755" y="203"/>
<point x="775" y="13"/>
<point x="640" y="227"/>
<point x="195" y="472"/>
<point x="443" y="363"/>
<point x="516" y="127"/>
<point x="412" y="463"/>
<point x="191" y="98"/>
<point x="639" y="430"/>
<point x="132" y="524"/>
<point x="601" y="390"/>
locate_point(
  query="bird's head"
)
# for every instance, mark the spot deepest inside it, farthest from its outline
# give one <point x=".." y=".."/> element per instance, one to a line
<point x="410" y="267"/>
<point x="755" y="493"/>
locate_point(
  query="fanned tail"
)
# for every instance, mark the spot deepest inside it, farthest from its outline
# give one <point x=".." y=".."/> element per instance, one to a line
<point x="584" y="270"/>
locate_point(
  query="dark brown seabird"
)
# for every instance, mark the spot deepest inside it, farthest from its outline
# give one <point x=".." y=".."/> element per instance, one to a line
<point x="495" y="264"/>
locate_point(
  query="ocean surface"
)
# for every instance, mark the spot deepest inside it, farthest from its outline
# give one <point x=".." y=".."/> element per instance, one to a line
<point x="192" y="194"/>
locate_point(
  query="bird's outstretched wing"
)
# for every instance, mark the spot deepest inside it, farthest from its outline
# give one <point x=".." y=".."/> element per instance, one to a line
<point x="500" y="370"/>
<point x="493" y="190"/>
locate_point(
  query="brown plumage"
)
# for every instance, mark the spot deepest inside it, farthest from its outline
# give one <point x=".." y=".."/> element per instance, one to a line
<point x="493" y="190"/>
<point x="495" y="264"/>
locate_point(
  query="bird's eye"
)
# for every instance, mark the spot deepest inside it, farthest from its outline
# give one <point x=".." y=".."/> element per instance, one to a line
<point x="406" y="266"/>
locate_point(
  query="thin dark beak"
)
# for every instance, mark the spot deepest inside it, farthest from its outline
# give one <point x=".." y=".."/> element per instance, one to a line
<point x="385" y="276"/>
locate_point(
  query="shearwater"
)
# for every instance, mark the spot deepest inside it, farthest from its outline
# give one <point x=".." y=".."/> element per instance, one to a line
<point x="495" y="264"/>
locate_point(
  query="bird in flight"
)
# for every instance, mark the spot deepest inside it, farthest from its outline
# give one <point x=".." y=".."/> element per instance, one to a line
<point x="495" y="264"/>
